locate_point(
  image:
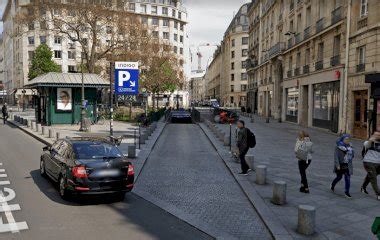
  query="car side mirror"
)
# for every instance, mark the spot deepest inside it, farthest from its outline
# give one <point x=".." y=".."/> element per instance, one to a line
<point x="46" y="148"/>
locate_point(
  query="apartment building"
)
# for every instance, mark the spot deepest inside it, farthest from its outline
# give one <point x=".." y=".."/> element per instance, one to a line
<point x="197" y="86"/>
<point x="230" y="84"/>
<point x="167" y="19"/>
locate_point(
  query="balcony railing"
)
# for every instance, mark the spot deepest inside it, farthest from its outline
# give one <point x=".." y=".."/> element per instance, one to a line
<point x="320" y="25"/>
<point x="276" y="49"/>
<point x="290" y="42"/>
<point x="297" y="38"/>
<point x="250" y="63"/>
<point x="319" y="65"/>
<point x="306" y="33"/>
<point x="336" y="15"/>
<point x="335" y="61"/>
<point x="280" y="17"/>
<point x="360" y="67"/>
<point x="296" y="71"/>
<point x="362" y="23"/>
<point x="291" y="6"/>
<point x="306" y="69"/>
<point x="289" y="74"/>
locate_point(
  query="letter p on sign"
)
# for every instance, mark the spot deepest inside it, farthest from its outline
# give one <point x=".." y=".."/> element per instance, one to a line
<point x="124" y="76"/>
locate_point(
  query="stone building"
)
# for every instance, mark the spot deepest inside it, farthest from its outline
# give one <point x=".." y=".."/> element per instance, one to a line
<point x="307" y="63"/>
<point x="166" y="18"/>
<point x="197" y="87"/>
<point x="213" y="76"/>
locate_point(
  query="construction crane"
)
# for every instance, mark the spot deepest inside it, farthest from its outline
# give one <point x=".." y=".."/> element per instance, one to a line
<point x="199" y="54"/>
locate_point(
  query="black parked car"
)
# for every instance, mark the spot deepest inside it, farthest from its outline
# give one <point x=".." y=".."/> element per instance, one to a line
<point x="87" y="166"/>
<point x="180" y="116"/>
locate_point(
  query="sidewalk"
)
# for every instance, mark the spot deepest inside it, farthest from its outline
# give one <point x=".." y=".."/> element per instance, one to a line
<point x="337" y="217"/>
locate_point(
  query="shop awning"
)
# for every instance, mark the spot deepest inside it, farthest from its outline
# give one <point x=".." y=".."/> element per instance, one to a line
<point x="372" y="78"/>
<point x="68" y="80"/>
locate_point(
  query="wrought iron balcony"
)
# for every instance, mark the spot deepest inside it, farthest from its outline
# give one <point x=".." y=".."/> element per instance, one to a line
<point x="336" y="15"/>
<point x="291" y="6"/>
<point x="306" y="69"/>
<point x="296" y="71"/>
<point x="362" y="23"/>
<point x="276" y="49"/>
<point x="360" y="67"/>
<point x="290" y="42"/>
<point x="289" y="74"/>
<point x="306" y="33"/>
<point x="297" y="38"/>
<point x="250" y="63"/>
<point x="319" y="65"/>
<point x="320" y="25"/>
<point x="335" y="61"/>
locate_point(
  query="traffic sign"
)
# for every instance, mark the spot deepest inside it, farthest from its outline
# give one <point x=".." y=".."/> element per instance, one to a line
<point x="127" y="78"/>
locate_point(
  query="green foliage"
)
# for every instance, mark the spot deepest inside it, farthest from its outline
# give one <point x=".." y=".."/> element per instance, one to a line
<point x="42" y="62"/>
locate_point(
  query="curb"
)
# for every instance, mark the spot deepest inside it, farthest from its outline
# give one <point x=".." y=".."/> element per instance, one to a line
<point x="273" y="224"/>
<point x="29" y="133"/>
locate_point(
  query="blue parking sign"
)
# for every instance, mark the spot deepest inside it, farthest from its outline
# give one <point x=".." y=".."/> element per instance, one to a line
<point x="127" y="78"/>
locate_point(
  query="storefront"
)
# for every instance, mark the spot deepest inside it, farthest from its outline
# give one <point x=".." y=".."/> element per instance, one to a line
<point x="292" y="99"/>
<point x="374" y="108"/>
<point x="326" y="105"/>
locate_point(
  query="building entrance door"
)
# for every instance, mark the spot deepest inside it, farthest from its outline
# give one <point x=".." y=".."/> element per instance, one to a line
<point x="360" y="114"/>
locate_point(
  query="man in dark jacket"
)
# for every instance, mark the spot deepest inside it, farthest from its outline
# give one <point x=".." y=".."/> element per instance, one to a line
<point x="242" y="144"/>
<point x="4" y="111"/>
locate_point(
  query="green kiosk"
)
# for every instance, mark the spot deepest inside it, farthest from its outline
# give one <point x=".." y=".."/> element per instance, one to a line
<point x="59" y="95"/>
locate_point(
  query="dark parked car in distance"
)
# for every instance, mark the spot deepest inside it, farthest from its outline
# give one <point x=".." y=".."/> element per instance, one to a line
<point x="86" y="165"/>
<point x="180" y="116"/>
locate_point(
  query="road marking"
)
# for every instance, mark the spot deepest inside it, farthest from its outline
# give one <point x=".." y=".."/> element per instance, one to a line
<point x="11" y="225"/>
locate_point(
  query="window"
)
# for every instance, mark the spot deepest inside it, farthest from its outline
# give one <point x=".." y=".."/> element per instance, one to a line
<point x="232" y="77"/>
<point x="298" y="60"/>
<point x="31" y="26"/>
<point x="244" y="76"/>
<point x="143" y="8"/>
<point x="144" y="20"/>
<point x="320" y="51"/>
<point x="244" y="41"/>
<point x="175" y="49"/>
<point x="43" y="39"/>
<point x="175" y="25"/>
<point x="155" y="21"/>
<point x="232" y="54"/>
<point x="173" y="13"/>
<point x="108" y="29"/>
<point x="307" y="56"/>
<point x="321" y="8"/>
<point x="231" y="100"/>
<point x="43" y="25"/>
<point x="30" y="55"/>
<point x="132" y="7"/>
<point x="244" y="52"/>
<point x="308" y="16"/>
<point x="232" y="66"/>
<point x="175" y="37"/>
<point x="165" y="11"/>
<point x="57" y="54"/>
<point x="155" y="34"/>
<point x="361" y="55"/>
<point x="336" y="49"/>
<point x="85" y="41"/>
<point x="181" y="51"/>
<point x="179" y="15"/>
<point x="71" y="69"/>
<point x="165" y="35"/>
<point x="291" y="26"/>
<point x="243" y="64"/>
<point x="57" y="40"/>
<point x="290" y="63"/>
<point x="154" y="9"/>
<point x="181" y="39"/>
<point x="363" y="8"/>
<point x="71" y="54"/>
<point x="232" y="88"/>
<point x="181" y="27"/>
<point x="299" y="22"/>
<point x="71" y="13"/>
<point x="243" y="87"/>
<point x="233" y="43"/>
<point x="56" y="12"/>
<point x="165" y="23"/>
<point x="31" y="40"/>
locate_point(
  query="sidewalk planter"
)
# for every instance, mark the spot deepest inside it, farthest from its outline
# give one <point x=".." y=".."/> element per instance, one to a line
<point x="279" y="193"/>
<point x="306" y="220"/>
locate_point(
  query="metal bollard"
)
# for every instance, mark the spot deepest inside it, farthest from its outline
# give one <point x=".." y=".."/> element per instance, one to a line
<point x="57" y="135"/>
<point x="279" y="193"/>
<point x="51" y="133"/>
<point x="250" y="161"/>
<point x="261" y="174"/>
<point x="306" y="219"/>
<point x="132" y="151"/>
<point x="43" y="130"/>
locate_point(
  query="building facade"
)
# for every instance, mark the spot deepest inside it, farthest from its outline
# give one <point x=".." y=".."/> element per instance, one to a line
<point x="166" y="18"/>
<point x="213" y="76"/>
<point x="307" y="63"/>
<point x="197" y="87"/>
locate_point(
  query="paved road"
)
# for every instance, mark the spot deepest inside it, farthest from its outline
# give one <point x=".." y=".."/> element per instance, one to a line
<point x="186" y="176"/>
<point x="49" y="217"/>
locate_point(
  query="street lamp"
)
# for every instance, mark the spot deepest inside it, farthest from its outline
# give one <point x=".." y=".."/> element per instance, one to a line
<point x="83" y="124"/>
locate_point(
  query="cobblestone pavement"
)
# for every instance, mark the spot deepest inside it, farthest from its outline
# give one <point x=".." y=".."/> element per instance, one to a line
<point x="337" y="217"/>
<point x="186" y="177"/>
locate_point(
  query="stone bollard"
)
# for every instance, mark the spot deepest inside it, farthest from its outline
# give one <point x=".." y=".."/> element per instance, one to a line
<point x="279" y="193"/>
<point x="261" y="174"/>
<point x="142" y="139"/>
<point x="132" y="151"/>
<point x="51" y="133"/>
<point x="306" y="219"/>
<point x="34" y="125"/>
<point x="43" y="130"/>
<point x="29" y="124"/>
<point x="38" y="128"/>
<point x="57" y="135"/>
<point x="250" y="161"/>
<point x="226" y="140"/>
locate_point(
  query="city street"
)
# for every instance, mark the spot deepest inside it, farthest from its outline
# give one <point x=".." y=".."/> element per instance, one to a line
<point x="49" y="217"/>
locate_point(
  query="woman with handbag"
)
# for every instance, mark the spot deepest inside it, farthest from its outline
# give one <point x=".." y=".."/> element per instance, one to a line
<point x="344" y="154"/>
<point x="303" y="151"/>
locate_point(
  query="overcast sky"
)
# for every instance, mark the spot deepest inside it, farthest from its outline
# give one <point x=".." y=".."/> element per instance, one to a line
<point x="2" y="6"/>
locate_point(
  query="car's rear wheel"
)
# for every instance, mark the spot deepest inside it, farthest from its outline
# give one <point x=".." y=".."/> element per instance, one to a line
<point x="42" y="168"/>
<point x="63" y="192"/>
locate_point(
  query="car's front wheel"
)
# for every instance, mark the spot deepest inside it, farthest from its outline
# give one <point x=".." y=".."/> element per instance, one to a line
<point x="42" y="168"/>
<point x="63" y="192"/>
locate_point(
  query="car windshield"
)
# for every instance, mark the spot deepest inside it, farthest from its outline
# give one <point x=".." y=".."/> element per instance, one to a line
<point x="95" y="150"/>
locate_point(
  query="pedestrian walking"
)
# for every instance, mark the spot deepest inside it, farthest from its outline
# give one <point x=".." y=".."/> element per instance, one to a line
<point x="245" y="140"/>
<point x="344" y="154"/>
<point x="4" y="111"/>
<point x="371" y="162"/>
<point x="303" y="151"/>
